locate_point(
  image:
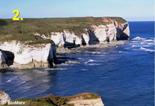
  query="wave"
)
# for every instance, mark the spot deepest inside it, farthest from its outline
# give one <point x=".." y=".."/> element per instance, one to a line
<point x="96" y="52"/>
<point x="11" y="79"/>
<point x="139" y="42"/>
<point x="89" y="61"/>
<point x="147" y="50"/>
<point x="93" y="64"/>
<point x="138" y="38"/>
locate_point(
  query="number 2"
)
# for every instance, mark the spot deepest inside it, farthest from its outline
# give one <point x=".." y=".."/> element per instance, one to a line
<point x="17" y="15"/>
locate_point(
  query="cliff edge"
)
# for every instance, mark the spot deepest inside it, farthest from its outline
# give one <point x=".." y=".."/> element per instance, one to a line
<point x="27" y="44"/>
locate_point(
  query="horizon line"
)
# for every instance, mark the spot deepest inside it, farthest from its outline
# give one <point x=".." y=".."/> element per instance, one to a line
<point x="127" y="19"/>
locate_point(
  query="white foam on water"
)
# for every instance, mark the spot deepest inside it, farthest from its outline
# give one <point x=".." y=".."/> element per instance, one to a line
<point x="89" y="61"/>
<point x="140" y="43"/>
<point x="96" y="52"/>
<point x="11" y="79"/>
<point x="146" y="49"/>
<point x="55" y="69"/>
<point x="138" y="38"/>
<point x="93" y="64"/>
<point x="120" y="52"/>
<point x="8" y="81"/>
<point x="84" y="69"/>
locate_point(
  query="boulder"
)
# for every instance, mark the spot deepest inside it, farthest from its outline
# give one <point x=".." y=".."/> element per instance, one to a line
<point x="4" y="98"/>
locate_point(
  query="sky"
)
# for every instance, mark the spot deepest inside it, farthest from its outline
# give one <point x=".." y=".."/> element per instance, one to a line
<point x="132" y="10"/>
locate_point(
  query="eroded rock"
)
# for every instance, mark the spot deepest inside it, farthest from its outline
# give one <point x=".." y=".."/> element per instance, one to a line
<point x="6" y="58"/>
<point x="4" y="98"/>
<point x="52" y="55"/>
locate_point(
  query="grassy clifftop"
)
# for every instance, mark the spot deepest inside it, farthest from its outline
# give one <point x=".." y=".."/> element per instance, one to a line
<point x="57" y="100"/>
<point x="23" y="30"/>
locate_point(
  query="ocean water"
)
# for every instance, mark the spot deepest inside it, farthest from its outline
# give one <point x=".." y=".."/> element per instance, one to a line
<point x="122" y="75"/>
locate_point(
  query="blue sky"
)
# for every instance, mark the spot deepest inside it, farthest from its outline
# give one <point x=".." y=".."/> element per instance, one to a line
<point x="128" y="9"/>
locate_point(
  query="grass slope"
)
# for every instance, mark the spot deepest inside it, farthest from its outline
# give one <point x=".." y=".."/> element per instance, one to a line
<point x="56" y="100"/>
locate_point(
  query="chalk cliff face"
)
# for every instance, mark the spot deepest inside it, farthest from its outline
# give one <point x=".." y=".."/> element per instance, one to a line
<point x="25" y="54"/>
<point x="37" y="56"/>
<point x="97" y="34"/>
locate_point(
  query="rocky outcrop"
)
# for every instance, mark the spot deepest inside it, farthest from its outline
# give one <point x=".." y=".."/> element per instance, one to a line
<point x="4" y="98"/>
<point x="52" y="55"/>
<point x="84" y="99"/>
<point x="6" y="58"/>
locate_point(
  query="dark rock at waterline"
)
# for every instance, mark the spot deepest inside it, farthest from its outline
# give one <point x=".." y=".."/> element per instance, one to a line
<point x="92" y="38"/>
<point x="5" y="70"/>
<point x="70" y="45"/>
<point x="120" y="33"/>
<point x="7" y="58"/>
<point x="62" y="58"/>
<point x="83" y="41"/>
<point x="52" y="55"/>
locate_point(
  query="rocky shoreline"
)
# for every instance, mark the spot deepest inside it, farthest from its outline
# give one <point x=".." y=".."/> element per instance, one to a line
<point x="60" y="51"/>
<point x="18" y="55"/>
<point x="83" y="99"/>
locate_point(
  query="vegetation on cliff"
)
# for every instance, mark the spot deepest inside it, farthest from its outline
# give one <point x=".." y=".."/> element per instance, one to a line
<point x="56" y="100"/>
<point x="24" y="30"/>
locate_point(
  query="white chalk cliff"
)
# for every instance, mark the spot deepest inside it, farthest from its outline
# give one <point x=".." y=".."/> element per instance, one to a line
<point x="38" y="54"/>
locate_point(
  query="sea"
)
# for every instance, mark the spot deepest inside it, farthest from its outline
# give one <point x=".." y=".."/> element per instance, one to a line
<point x="122" y="75"/>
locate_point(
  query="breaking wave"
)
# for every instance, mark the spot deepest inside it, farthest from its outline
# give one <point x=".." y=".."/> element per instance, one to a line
<point x="145" y="44"/>
<point x="147" y="50"/>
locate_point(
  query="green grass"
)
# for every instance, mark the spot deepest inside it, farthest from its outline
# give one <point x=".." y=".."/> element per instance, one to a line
<point x="56" y="100"/>
<point x="23" y="30"/>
